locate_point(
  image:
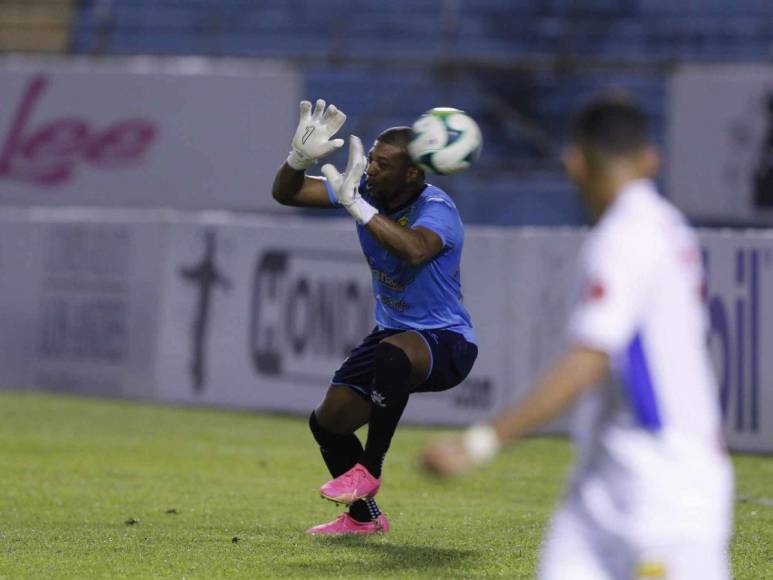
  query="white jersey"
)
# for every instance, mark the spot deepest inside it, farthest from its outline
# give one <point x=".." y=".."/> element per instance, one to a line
<point x="649" y="443"/>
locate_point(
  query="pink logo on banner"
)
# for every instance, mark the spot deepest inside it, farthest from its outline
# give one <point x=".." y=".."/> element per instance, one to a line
<point x="48" y="154"/>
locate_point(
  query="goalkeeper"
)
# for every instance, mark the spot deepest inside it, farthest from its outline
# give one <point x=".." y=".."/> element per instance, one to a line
<point x="412" y="237"/>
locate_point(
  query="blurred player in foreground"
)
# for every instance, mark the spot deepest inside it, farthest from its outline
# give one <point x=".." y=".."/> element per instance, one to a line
<point x="412" y="238"/>
<point x="651" y="491"/>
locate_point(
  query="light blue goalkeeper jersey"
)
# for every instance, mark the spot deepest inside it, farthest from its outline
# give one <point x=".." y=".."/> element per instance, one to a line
<point x="422" y="297"/>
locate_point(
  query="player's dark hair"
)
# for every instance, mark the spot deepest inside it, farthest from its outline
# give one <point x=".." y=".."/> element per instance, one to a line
<point x="399" y="137"/>
<point x="611" y="126"/>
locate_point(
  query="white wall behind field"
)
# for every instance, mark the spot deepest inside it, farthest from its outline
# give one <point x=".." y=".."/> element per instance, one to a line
<point x="256" y="313"/>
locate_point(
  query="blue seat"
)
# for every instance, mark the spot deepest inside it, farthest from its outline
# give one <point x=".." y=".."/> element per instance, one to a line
<point x="523" y="115"/>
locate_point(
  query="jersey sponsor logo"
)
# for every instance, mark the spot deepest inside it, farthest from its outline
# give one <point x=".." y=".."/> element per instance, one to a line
<point x="389" y="282"/>
<point x="397" y="304"/>
<point x="397" y="284"/>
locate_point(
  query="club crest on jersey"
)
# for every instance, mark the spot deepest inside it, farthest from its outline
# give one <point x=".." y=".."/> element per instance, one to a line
<point x="403" y="221"/>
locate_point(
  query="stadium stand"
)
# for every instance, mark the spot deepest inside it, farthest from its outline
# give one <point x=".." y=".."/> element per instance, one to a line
<point x="516" y="67"/>
<point x="35" y="25"/>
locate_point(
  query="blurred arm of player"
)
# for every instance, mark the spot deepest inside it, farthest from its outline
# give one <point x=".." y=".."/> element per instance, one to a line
<point x="414" y="245"/>
<point x="312" y="141"/>
<point x="576" y="372"/>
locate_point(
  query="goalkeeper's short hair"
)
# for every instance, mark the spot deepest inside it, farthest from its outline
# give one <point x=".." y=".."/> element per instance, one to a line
<point x="399" y="137"/>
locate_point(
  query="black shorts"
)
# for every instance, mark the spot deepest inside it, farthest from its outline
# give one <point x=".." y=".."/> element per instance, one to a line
<point x="452" y="360"/>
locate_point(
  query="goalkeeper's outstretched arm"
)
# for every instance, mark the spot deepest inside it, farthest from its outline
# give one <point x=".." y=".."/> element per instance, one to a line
<point x="295" y="188"/>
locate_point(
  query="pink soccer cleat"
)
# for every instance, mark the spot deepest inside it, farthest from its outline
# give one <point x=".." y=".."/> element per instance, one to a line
<point x="357" y="483"/>
<point x="346" y="524"/>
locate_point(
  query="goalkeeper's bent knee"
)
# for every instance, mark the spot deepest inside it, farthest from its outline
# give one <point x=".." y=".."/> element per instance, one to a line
<point x="392" y="373"/>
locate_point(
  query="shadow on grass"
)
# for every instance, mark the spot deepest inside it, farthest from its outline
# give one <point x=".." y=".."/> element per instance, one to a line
<point x="383" y="557"/>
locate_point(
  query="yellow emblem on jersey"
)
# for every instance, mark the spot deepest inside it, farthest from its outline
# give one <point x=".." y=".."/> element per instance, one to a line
<point x="651" y="570"/>
<point x="403" y="221"/>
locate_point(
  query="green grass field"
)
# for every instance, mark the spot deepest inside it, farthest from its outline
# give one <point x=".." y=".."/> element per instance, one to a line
<point x="216" y="494"/>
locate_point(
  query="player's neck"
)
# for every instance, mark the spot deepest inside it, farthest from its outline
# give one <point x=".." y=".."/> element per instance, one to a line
<point x="403" y="199"/>
<point x="608" y="187"/>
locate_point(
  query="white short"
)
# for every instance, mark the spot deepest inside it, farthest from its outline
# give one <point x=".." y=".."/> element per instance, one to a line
<point x="574" y="549"/>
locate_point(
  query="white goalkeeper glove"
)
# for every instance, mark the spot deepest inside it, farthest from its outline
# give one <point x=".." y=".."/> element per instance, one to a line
<point x="345" y="186"/>
<point x="312" y="137"/>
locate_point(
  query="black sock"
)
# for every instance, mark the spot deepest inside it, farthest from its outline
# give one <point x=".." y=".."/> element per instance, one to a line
<point x="388" y="400"/>
<point x="364" y="510"/>
<point x="340" y="453"/>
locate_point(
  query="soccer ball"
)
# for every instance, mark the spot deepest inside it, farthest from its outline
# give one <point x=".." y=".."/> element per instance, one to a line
<point x="445" y="141"/>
